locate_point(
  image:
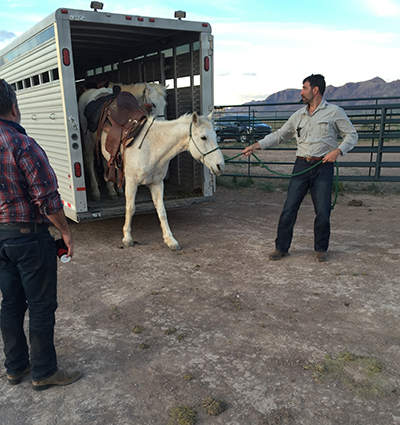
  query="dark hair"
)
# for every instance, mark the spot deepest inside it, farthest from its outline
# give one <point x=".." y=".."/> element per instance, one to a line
<point x="316" y="80"/>
<point x="7" y="97"/>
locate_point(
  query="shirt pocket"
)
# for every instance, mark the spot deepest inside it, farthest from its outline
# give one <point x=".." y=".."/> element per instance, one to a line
<point x="325" y="129"/>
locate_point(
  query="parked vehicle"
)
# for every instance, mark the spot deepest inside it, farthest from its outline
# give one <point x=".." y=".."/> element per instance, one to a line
<point x="51" y="63"/>
<point x="240" y="127"/>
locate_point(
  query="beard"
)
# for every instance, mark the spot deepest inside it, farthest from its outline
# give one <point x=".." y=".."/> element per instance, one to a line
<point x="307" y="99"/>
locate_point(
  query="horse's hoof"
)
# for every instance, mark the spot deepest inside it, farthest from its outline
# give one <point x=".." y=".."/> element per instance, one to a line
<point x="175" y="248"/>
<point x="96" y="198"/>
<point x="127" y="242"/>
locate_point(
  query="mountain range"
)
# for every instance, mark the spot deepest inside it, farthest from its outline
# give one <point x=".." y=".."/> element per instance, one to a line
<point x="377" y="87"/>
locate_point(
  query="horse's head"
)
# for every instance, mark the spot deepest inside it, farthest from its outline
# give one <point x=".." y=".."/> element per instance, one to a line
<point x="203" y="143"/>
<point x="155" y="93"/>
<point x="149" y="93"/>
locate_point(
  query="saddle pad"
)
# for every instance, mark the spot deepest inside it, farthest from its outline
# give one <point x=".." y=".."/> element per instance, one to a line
<point x="93" y="110"/>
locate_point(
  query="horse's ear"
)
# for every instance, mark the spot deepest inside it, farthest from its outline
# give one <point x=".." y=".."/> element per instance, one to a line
<point x="195" y="117"/>
<point x="210" y="116"/>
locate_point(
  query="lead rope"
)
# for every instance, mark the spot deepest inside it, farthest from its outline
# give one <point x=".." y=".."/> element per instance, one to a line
<point x="145" y="134"/>
<point x="297" y="174"/>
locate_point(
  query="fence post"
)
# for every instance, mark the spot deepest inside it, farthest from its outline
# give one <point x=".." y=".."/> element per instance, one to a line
<point x="380" y="144"/>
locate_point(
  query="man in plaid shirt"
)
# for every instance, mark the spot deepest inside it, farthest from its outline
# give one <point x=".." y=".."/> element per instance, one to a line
<point x="29" y="202"/>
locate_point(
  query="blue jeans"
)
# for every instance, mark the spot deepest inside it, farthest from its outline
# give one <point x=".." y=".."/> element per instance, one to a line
<point x="319" y="181"/>
<point x="28" y="279"/>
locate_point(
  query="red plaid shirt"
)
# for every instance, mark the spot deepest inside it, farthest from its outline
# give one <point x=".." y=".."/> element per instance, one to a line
<point x="28" y="184"/>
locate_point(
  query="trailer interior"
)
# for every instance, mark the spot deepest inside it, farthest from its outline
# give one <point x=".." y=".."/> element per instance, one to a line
<point x="51" y="64"/>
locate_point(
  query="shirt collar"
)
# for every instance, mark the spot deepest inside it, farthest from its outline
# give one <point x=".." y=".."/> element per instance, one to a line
<point x="15" y="125"/>
<point x="322" y="105"/>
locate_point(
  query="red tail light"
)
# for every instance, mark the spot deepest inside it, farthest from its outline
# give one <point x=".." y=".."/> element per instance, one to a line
<point x="66" y="59"/>
<point x="78" y="169"/>
<point x="206" y="63"/>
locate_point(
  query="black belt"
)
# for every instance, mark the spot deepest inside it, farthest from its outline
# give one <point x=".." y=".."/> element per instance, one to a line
<point x="16" y="225"/>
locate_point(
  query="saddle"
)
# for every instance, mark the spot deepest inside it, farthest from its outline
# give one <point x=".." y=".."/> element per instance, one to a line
<point x="122" y="119"/>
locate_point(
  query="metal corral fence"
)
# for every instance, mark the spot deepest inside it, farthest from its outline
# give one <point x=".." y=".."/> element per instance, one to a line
<point x="375" y="158"/>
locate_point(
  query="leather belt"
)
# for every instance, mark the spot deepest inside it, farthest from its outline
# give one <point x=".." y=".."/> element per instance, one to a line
<point x="310" y="158"/>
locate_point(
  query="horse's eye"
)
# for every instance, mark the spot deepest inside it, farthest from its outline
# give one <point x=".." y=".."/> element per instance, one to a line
<point x="203" y="138"/>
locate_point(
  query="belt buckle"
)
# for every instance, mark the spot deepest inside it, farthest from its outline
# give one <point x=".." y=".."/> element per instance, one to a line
<point x="308" y="159"/>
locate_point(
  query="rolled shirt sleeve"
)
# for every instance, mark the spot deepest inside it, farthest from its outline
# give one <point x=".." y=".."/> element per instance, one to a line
<point x="284" y="134"/>
<point x="346" y="131"/>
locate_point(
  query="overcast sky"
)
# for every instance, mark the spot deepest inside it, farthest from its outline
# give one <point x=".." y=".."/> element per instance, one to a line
<point x="264" y="46"/>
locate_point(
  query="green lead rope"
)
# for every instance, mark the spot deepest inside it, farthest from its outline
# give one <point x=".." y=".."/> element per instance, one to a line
<point x="297" y="174"/>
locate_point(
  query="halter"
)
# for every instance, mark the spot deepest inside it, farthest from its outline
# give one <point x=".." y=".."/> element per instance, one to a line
<point x="191" y="138"/>
<point x="144" y="95"/>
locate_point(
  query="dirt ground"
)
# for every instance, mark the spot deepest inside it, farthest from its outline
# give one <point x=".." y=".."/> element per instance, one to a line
<point x="272" y="343"/>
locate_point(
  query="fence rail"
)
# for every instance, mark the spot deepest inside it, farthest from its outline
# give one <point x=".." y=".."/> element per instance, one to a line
<point x="375" y="158"/>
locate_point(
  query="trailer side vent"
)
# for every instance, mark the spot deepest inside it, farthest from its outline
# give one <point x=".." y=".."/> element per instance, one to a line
<point x="55" y="74"/>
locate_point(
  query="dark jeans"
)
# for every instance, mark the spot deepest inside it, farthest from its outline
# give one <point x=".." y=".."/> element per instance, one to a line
<point x="28" y="279"/>
<point x="319" y="181"/>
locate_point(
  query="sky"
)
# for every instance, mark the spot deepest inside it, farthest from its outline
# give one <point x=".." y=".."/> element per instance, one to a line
<point x="264" y="46"/>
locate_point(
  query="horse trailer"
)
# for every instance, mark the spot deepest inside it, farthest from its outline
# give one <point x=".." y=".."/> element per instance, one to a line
<point x="49" y="65"/>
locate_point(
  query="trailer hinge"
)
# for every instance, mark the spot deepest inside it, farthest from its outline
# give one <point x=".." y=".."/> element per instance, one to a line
<point x="73" y="123"/>
<point x="212" y="182"/>
<point x="211" y="41"/>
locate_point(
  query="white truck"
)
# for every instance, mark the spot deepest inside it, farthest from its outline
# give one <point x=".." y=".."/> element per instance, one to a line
<point x="49" y="64"/>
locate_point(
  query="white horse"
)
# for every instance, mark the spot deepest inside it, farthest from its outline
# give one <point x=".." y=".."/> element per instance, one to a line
<point x="146" y="162"/>
<point x="144" y="93"/>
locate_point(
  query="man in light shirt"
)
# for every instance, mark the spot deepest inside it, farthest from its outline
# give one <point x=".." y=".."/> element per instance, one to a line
<point x="316" y="128"/>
